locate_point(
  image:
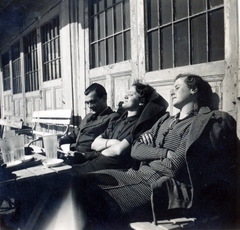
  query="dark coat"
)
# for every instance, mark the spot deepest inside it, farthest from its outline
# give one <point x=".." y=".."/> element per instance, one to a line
<point x="80" y="139"/>
<point x="211" y="156"/>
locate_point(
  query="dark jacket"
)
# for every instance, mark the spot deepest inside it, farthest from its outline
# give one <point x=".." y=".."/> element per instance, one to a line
<point x="91" y="126"/>
<point x="211" y="156"/>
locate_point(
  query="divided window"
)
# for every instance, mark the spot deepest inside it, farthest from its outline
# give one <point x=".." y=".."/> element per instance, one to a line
<point x="50" y="37"/>
<point x="109" y="32"/>
<point x="183" y="32"/>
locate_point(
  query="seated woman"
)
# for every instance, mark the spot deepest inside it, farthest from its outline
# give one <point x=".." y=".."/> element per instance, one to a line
<point x="196" y="149"/>
<point x="143" y="107"/>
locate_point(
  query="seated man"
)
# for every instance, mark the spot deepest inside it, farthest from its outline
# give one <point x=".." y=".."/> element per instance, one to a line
<point x="144" y="106"/>
<point x="91" y="126"/>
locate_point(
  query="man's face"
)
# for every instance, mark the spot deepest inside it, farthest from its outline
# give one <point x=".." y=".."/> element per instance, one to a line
<point x="94" y="103"/>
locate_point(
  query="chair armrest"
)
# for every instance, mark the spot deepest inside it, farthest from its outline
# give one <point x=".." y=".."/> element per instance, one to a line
<point x="168" y="193"/>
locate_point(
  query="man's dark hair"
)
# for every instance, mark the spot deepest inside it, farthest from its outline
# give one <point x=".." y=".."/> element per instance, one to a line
<point x="204" y="90"/>
<point x="99" y="89"/>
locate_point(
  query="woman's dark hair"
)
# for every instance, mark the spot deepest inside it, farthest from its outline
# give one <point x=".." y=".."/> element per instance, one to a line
<point x="145" y="91"/>
<point x="204" y="92"/>
<point x="99" y="89"/>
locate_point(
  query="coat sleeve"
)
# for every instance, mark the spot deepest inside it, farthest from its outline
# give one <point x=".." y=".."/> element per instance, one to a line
<point x="143" y="152"/>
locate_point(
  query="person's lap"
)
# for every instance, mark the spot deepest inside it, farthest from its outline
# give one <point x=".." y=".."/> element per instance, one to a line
<point x="99" y="163"/>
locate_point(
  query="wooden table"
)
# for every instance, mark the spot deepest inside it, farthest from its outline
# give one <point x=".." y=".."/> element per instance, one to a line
<point x="24" y="183"/>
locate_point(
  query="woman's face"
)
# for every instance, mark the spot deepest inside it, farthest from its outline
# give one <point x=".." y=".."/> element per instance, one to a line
<point x="181" y="94"/>
<point x="131" y="100"/>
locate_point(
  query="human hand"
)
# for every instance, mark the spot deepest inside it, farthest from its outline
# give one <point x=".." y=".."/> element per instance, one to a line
<point x="108" y="153"/>
<point x="71" y="153"/>
<point x="112" y="142"/>
<point x="146" y="138"/>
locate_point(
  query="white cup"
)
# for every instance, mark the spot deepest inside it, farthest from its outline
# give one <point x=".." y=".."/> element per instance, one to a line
<point x="7" y="149"/>
<point x="50" y="146"/>
<point x="19" y="151"/>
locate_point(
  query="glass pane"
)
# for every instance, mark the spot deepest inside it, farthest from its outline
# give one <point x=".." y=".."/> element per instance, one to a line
<point x="5" y="59"/>
<point x="118" y="17"/>
<point x="126" y="14"/>
<point x="213" y="3"/>
<point x="216" y="35"/>
<point x="181" y="50"/>
<point x="197" y="6"/>
<point x="166" y="11"/>
<point x="166" y="48"/>
<point x="110" y="51"/>
<point x="6" y="78"/>
<point x="101" y="5"/>
<point x="95" y="55"/>
<point x="199" y="39"/>
<point x="102" y="55"/>
<point x="101" y="25"/>
<point x="109" y="21"/>
<point x="127" y="48"/>
<point x="95" y="29"/>
<point x="152" y="12"/>
<point x="109" y="3"/>
<point x="119" y="48"/>
<point x="94" y="6"/>
<point x="153" y="48"/>
<point x="180" y="9"/>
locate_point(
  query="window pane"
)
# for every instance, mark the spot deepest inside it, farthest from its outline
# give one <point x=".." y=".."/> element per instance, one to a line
<point x="127" y="47"/>
<point x="94" y="8"/>
<point x="101" y="25"/>
<point x="101" y="5"/>
<point x="109" y="3"/>
<point x="95" y="29"/>
<point x="119" y="48"/>
<point x="166" y="11"/>
<point x="181" y="44"/>
<point x="118" y="17"/>
<point x="6" y="71"/>
<point x="152" y="12"/>
<point x="213" y="3"/>
<point x="95" y="60"/>
<point x="199" y="39"/>
<point x="197" y="6"/>
<point x="180" y="9"/>
<point x="102" y="55"/>
<point x="109" y="21"/>
<point x="166" y="48"/>
<point x="110" y="51"/>
<point x="126" y="14"/>
<point x="153" y="48"/>
<point x="216" y="35"/>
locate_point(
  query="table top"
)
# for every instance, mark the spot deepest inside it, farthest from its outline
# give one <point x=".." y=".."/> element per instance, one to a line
<point x="34" y="169"/>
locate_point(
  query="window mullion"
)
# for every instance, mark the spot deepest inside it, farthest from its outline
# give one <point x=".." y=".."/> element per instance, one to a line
<point x="173" y="36"/>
